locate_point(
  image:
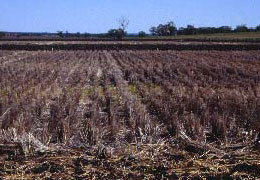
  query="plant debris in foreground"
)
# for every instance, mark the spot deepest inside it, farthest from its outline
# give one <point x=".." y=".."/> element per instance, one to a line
<point x="165" y="160"/>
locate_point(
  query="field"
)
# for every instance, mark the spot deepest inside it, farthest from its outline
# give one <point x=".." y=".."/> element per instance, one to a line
<point x="130" y="114"/>
<point x="235" y="36"/>
<point x="148" y="44"/>
<point x="217" y="37"/>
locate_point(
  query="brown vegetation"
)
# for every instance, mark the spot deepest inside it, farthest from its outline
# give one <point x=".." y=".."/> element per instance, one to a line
<point x="129" y="114"/>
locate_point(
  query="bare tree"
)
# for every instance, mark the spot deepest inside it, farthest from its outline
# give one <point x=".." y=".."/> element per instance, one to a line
<point x="123" y="23"/>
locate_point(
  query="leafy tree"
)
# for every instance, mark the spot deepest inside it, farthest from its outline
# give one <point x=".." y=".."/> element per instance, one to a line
<point x="168" y="29"/>
<point x="116" y="33"/>
<point x="153" y="31"/>
<point x="172" y="29"/>
<point x="204" y="30"/>
<point x="257" y="28"/>
<point x="87" y="34"/>
<point x="78" y="34"/>
<point x="60" y="34"/>
<point x="191" y="30"/>
<point x="224" y="29"/>
<point x="67" y="34"/>
<point x="2" y="34"/>
<point x="141" y="34"/>
<point x="241" y="28"/>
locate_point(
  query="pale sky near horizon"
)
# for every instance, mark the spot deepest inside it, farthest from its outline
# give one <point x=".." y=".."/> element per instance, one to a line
<point x="98" y="16"/>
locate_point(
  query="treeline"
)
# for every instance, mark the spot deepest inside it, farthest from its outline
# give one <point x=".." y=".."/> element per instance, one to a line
<point x="170" y="29"/>
<point x="191" y="30"/>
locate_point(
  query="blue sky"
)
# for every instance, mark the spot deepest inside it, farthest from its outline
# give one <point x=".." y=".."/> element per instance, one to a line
<point x="97" y="16"/>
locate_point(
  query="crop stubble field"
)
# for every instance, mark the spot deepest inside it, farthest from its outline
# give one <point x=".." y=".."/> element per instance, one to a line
<point x="129" y="114"/>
